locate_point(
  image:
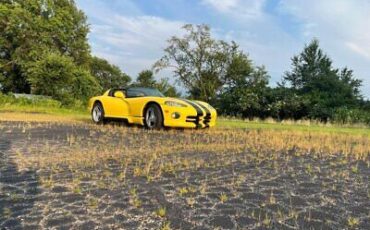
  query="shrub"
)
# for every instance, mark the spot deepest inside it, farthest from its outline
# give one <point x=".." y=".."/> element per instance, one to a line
<point x="57" y="76"/>
<point x="10" y="99"/>
<point x="345" y="115"/>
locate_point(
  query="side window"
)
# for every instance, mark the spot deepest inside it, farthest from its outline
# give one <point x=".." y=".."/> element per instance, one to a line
<point x="134" y="93"/>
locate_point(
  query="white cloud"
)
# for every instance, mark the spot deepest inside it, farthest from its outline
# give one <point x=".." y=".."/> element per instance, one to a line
<point x="364" y="51"/>
<point x="222" y="5"/>
<point x="135" y="42"/>
<point x="247" y="9"/>
<point x="258" y="34"/>
<point x="342" y="26"/>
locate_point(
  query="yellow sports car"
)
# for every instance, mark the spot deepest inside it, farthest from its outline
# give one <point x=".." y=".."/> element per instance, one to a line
<point x="149" y="107"/>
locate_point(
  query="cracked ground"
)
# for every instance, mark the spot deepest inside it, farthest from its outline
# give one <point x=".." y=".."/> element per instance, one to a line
<point x="82" y="176"/>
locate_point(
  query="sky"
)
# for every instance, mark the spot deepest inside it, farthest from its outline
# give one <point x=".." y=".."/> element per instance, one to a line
<point x="133" y="33"/>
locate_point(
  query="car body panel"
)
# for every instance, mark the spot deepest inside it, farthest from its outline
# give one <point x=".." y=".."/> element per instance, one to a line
<point x="194" y="114"/>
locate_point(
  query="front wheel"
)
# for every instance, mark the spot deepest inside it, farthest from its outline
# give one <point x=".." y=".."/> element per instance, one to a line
<point x="97" y="113"/>
<point x="153" y="117"/>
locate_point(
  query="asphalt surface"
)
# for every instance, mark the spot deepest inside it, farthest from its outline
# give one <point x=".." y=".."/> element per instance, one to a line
<point x="243" y="194"/>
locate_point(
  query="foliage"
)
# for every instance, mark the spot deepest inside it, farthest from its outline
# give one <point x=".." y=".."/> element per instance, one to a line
<point x="9" y="99"/>
<point x="315" y="80"/>
<point x="343" y="115"/>
<point x="167" y="89"/>
<point x="218" y="72"/>
<point x="108" y="76"/>
<point x="244" y="93"/>
<point x="57" y="76"/>
<point x="285" y="103"/>
<point x="146" y="79"/>
<point x="200" y="63"/>
<point x="29" y="27"/>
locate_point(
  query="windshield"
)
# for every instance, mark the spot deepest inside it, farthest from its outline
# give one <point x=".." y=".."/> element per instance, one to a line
<point x="143" y="92"/>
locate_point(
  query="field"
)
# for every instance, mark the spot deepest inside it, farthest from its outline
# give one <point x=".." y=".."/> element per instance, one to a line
<point x="57" y="170"/>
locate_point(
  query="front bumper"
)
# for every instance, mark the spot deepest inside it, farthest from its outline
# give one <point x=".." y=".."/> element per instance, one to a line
<point x="188" y="118"/>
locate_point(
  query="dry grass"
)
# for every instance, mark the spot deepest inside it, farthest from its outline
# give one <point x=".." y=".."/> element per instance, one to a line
<point x="148" y="154"/>
<point x="42" y="117"/>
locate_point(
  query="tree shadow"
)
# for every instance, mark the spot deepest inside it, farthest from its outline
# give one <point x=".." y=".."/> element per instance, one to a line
<point x="18" y="190"/>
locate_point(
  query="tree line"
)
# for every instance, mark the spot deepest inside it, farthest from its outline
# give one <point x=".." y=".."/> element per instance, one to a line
<point x="44" y="50"/>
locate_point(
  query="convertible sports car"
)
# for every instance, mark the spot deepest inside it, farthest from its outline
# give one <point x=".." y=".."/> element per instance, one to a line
<point x="149" y="107"/>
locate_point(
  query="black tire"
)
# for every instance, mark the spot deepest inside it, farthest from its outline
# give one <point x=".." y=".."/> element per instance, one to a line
<point x="153" y="118"/>
<point x="97" y="113"/>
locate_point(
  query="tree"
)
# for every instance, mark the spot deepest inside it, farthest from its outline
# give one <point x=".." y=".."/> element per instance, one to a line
<point x="167" y="89"/>
<point x="200" y="63"/>
<point x="146" y="79"/>
<point x="58" y="76"/>
<point x="244" y="93"/>
<point x="284" y="103"/>
<point x="326" y="88"/>
<point x="108" y="76"/>
<point x="29" y="27"/>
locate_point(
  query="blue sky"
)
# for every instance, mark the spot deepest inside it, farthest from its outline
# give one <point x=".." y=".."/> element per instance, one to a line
<point x="132" y="33"/>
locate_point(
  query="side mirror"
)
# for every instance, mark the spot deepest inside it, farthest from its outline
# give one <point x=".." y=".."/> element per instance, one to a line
<point x="119" y="94"/>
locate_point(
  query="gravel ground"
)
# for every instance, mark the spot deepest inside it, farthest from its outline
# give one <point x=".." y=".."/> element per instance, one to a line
<point x="291" y="192"/>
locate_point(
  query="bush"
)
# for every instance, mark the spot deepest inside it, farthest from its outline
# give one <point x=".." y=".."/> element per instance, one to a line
<point x="57" y="76"/>
<point x="345" y="115"/>
<point x="10" y="99"/>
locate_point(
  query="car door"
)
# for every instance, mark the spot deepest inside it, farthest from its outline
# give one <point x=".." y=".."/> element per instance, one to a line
<point x="116" y="107"/>
<point x="136" y="101"/>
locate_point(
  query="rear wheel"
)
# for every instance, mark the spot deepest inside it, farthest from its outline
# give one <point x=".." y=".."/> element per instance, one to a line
<point x="153" y="117"/>
<point x="97" y="113"/>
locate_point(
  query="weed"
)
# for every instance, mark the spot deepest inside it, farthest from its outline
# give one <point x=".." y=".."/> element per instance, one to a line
<point x="266" y="221"/>
<point x="190" y="201"/>
<point x="183" y="191"/>
<point x="353" y="222"/>
<point x="161" y="212"/>
<point x="47" y="182"/>
<point x="223" y="198"/>
<point x="133" y="192"/>
<point x="136" y="202"/>
<point x="7" y="212"/>
<point x="272" y="199"/>
<point x="166" y="226"/>
<point x="138" y="171"/>
<point x="92" y="203"/>
<point x="354" y="169"/>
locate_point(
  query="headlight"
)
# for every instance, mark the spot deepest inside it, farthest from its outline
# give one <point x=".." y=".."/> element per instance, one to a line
<point x="174" y="104"/>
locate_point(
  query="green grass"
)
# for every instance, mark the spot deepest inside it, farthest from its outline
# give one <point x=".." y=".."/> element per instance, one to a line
<point x="74" y="112"/>
<point x="304" y="126"/>
<point x="40" y="105"/>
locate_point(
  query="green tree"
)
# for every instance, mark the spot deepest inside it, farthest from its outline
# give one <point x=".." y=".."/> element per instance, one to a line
<point x="244" y="93"/>
<point x="28" y="27"/>
<point x="146" y="79"/>
<point x="284" y="103"/>
<point x="167" y="89"/>
<point x="58" y="76"/>
<point x="108" y="76"/>
<point x="200" y="63"/>
<point x="314" y="78"/>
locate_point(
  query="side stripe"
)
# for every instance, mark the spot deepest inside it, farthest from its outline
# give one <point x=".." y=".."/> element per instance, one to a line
<point x="208" y="113"/>
<point x="195" y="106"/>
